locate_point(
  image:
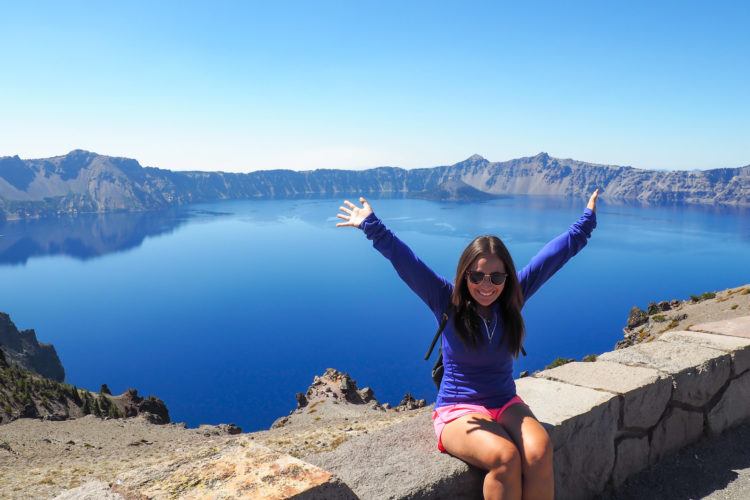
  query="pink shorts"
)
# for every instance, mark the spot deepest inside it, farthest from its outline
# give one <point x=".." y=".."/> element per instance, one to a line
<point x="446" y="414"/>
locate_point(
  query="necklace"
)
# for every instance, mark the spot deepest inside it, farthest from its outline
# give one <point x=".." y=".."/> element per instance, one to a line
<point x="487" y="328"/>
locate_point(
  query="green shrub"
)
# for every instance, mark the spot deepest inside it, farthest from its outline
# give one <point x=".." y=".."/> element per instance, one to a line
<point x="589" y="358"/>
<point x="660" y="318"/>
<point x="703" y="296"/>
<point x="558" y="362"/>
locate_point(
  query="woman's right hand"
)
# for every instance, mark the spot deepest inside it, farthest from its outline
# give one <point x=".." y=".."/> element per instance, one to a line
<point x="352" y="214"/>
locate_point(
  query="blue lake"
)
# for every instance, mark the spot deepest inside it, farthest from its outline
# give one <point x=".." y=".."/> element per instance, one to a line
<point x="225" y="310"/>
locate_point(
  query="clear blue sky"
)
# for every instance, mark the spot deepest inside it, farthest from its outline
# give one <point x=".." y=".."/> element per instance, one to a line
<point x="241" y="86"/>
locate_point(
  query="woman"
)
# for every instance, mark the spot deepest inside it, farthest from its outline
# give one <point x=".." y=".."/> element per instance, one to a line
<point x="478" y="417"/>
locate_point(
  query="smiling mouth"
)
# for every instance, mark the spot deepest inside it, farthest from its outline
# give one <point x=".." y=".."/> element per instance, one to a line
<point x="486" y="294"/>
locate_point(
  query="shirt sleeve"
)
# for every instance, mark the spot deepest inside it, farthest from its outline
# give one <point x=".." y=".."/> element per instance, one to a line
<point x="432" y="288"/>
<point x="555" y="254"/>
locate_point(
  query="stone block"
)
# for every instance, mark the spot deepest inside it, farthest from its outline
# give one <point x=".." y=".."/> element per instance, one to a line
<point x="401" y="461"/>
<point x="737" y="347"/>
<point x="733" y="407"/>
<point x="582" y="423"/>
<point x="645" y="391"/>
<point x="677" y="429"/>
<point x="243" y="469"/>
<point x="698" y="372"/>
<point x="735" y="327"/>
<point x="631" y="457"/>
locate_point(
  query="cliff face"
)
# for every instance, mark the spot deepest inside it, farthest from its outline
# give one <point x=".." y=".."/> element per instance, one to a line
<point x="23" y="349"/>
<point x="82" y="181"/>
<point x="31" y="385"/>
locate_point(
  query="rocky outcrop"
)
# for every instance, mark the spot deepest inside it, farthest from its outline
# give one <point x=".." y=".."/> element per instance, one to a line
<point x="130" y="404"/>
<point x="645" y="325"/>
<point x="334" y="384"/>
<point x="82" y="181"/>
<point x="454" y="190"/>
<point x="334" y="397"/>
<point x="23" y="349"/>
<point x="26" y="394"/>
<point x="31" y="385"/>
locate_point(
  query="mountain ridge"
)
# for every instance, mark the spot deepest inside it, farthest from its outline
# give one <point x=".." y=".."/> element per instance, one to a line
<point x="83" y="181"/>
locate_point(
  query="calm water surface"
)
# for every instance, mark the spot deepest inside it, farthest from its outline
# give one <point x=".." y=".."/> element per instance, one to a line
<point x="226" y="310"/>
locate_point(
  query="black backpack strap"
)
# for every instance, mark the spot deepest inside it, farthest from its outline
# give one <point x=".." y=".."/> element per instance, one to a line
<point x="443" y="322"/>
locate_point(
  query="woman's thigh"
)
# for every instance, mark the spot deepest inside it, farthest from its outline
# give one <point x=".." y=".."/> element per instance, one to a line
<point x="477" y="439"/>
<point x="527" y="433"/>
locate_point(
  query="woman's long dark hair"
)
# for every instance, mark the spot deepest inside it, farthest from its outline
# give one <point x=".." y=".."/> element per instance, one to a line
<point x="466" y="318"/>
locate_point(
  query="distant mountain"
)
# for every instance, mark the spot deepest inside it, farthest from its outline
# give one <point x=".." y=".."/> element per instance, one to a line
<point x="82" y="181"/>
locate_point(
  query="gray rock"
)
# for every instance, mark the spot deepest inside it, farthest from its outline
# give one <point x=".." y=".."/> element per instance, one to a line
<point x="645" y="391"/>
<point x="92" y="490"/>
<point x="401" y="461"/>
<point x="733" y="408"/>
<point x="637" y="317"/>
<point x="631" y="456"/>
<point x="678" y="428"/>
<point x="698" y="372"/>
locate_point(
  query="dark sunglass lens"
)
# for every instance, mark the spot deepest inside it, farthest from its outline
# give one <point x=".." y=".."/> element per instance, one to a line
<point x="498" y="278"/>
<point x="476" y="277"/>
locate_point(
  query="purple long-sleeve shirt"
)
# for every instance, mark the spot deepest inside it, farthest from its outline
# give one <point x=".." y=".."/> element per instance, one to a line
<point x="484" y="374"/>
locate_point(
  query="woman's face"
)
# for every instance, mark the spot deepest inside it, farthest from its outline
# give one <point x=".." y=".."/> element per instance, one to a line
<point x="485" y="292"/>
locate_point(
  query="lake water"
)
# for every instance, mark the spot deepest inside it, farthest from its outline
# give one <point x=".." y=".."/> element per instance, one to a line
<point x="225" y="310"/>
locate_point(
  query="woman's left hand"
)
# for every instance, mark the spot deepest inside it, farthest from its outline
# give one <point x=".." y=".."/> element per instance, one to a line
<point x="592" y="201"/>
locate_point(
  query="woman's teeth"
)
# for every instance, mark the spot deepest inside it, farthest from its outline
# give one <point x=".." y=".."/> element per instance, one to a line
<point x="486" y="294"/>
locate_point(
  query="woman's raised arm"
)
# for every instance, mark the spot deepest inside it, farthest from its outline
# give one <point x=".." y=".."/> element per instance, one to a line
<point x="433" y="289"/>
<point x="557" y="252"/>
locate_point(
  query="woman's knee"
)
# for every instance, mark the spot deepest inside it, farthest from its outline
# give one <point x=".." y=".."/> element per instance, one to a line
<point x="537" y="453"/>
<point x="505" y="460"/>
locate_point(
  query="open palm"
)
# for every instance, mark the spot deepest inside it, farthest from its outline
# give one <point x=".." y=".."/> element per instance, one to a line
<point x="592" y="201"/>
<point x="352" y="214"/>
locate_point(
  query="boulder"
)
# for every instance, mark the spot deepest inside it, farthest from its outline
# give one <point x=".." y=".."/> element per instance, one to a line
<point x="242" y="469"/>
<point x="401" y="461"/>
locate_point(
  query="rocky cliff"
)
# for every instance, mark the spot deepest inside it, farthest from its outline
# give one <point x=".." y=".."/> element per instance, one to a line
<point x="31" y="385"/>
<point x="82" y="181"/>
<point x="23" y="349"/>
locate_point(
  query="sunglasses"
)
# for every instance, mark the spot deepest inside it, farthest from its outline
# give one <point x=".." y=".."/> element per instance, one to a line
<point x="477" y="277"/>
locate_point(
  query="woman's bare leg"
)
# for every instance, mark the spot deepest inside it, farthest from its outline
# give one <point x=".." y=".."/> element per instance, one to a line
<point x="475" y="438"/>
<point x="535" y="447"/>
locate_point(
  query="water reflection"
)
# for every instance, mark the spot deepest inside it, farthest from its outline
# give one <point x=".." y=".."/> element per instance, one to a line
<point x="87" y="236"/>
